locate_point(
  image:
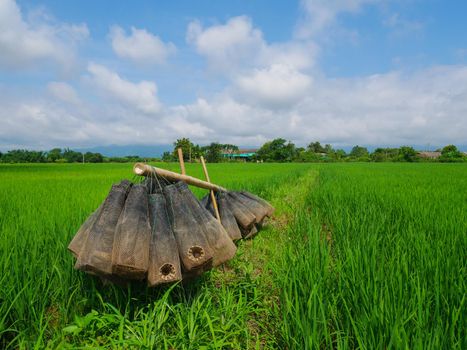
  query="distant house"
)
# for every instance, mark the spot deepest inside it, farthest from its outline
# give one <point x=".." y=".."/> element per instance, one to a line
<point x="243" y="154"/>
<point x="429" y="155"/>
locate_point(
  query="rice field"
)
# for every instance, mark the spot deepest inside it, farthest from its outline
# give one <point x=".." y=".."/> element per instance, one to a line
<point x="357" y="256"/>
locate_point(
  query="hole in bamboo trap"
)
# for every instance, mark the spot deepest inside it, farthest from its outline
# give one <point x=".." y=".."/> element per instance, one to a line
<point x="167" y="271"/>
<point x="196" y="253"/>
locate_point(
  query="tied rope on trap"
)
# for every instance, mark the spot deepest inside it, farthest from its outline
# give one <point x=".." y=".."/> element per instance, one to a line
<point x="158" y="231"/>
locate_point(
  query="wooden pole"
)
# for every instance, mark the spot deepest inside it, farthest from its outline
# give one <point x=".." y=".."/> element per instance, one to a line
<point x="148" y="170"/>
<point x="182" y="162"/>
<point x="213" y="197"/>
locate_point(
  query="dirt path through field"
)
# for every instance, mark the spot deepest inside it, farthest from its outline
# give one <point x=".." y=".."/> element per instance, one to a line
<point x="286" y="199"/>
<point x="262" y="255"/>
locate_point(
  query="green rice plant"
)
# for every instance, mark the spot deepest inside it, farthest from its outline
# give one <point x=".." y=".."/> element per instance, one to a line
<point x="379" y="260"/>
<point x="44" y="302"/>
<point x="357" y="256"/>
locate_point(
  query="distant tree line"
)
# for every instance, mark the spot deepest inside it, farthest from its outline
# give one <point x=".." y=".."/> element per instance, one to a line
<point x="57" y="155"/>
<point x="277" y="150"/>
<point x="192" y="152"/>
<point x="281" y="150"/>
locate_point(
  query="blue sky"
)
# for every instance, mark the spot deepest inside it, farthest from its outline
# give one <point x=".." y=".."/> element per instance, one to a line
<point x="373" y="72"/>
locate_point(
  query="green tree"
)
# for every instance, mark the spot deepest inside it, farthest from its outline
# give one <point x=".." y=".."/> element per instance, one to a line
<point x="277" y="150"/>
<point x="229" y="148"/>
<point x="54" y="154"/>
<point x="24" y="156"/>
<point x="72" y="156"/>
<point x="190" y="151"/>
<point x="328" y="149"/>
<point x="93" y="157"/>
<point x="168" y="157"/>
<point x="360" y="153"/>
<point x="337" y="154"/>
<point x="385" y="155"/>
<point x="316" y="147"/>
<point x="407" y="154"/>
<point x="305" y="156"/>
<point x="450" y="153"/>
<point x="196" y="152"/>
<point x="213" y="152"/>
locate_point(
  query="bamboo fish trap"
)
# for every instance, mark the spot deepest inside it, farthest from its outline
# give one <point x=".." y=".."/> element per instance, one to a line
<point x="157" y="231"/>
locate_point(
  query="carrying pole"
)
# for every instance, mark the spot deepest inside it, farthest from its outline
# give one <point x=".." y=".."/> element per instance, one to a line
<point x="148" y="170"/>
<point x="182" y="162"/>
<point x="213" y="197"/>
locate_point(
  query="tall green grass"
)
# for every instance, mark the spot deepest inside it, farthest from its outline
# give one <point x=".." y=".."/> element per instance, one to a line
<point x="45" y="302"/>
<point x="358" y="256"/>
<point x="379" y="260"/>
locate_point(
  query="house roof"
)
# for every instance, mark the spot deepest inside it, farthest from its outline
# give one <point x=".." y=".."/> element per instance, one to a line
<point x="429" y="154"/>
<point x="241" y="153"/>
<point x="248" y="150"/>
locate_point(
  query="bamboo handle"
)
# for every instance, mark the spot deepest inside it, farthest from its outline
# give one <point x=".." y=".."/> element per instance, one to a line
<point x="182" y="162"/>
<point x="148" y="170"/>
<point x="213" y="197"/>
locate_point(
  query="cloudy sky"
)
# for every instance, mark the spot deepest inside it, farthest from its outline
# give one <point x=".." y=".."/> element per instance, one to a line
<point x="91" y="73"/>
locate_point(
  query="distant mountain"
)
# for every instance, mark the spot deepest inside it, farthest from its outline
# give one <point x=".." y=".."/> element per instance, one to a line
<point x="129" y="150"/>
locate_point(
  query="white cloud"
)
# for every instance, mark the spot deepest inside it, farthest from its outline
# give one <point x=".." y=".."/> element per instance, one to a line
<point x="320" y="14"/>
<point x="24" y="43"/>
<point x="142" y="96"/>
<point x="41" y="122"/>
<point x="228" y="45"/>
<point x="63" y="91"/>
<point x="277" y="86"/>
<point x="268" y="74"/>
<point x="275" y="93"/>
<point x="428" y="107"/>
<point x="402" y="27"/>
<point x="297" y="55"/>
<point x="237" y="45"/>
<point x="140" y="46"/>
<point x="180" y="125"/>
<point x="225" y="117"/>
